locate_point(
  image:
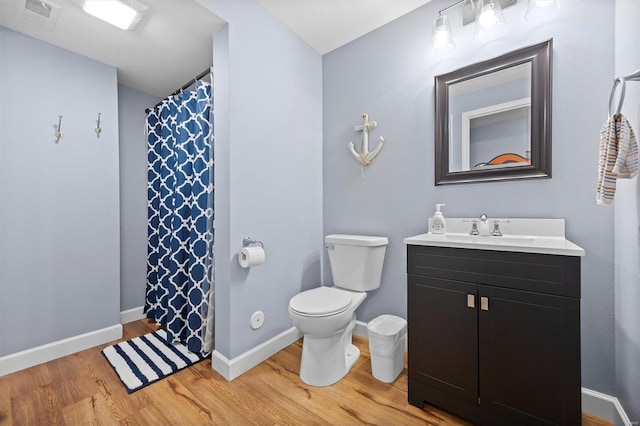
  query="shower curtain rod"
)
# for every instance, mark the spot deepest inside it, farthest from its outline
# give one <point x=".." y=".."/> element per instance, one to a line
<point x="184" y="86"/>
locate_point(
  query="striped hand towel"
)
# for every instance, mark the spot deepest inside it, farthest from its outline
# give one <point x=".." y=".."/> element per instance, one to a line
<point x="618" y="156"/>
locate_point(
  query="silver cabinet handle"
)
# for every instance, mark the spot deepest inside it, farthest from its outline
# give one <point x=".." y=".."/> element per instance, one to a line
<point x="484" y="303"/>
<point x="471" y="301"/>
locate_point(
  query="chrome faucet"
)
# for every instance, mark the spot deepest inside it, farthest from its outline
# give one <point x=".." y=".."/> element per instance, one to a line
<point x="474" y="224"/>
<point x="483" y="228"/>
<point x="474" y="228"/>
<point x="496" y="229"/>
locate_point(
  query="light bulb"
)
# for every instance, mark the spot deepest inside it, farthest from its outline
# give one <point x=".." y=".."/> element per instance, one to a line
<point x="440" y="39"/>
<point x="441" y="34"/>
<point x="487" y="16"/>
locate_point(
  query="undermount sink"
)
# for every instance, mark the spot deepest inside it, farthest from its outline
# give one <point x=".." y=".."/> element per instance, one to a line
<point x="503" y="240"/>
<point x="544" y="236"/>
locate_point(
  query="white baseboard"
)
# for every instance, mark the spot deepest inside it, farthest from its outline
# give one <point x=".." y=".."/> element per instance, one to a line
<point x="50" y="351"/>
<point x="230" y="369"/>
<point x="132" y="315"/>
<point x="361" y="329"/>
<point x="604" y="406"/>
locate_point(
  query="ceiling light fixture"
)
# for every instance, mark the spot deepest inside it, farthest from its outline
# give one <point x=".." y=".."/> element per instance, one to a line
<point x="124" y="14"/>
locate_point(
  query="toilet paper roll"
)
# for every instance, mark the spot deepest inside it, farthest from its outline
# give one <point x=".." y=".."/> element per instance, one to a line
<point x="251" y="256"/>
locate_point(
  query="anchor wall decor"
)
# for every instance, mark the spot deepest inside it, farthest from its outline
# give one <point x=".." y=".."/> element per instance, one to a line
<point x="364" y="156"/>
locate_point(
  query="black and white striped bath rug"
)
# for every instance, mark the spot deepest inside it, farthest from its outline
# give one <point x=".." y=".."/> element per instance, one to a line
<point x="147" y="359"/>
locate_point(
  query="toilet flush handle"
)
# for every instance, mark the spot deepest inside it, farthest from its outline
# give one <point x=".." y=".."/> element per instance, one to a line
<point x="330" y="247"/>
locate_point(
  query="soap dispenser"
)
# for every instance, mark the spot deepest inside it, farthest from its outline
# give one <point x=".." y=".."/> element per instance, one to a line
<point x="438" y="223"/>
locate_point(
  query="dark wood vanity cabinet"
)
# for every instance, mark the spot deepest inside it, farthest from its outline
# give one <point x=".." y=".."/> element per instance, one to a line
<point x="494" y="337"/>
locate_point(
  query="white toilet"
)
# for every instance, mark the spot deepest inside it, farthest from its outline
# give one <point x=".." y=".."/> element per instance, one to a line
<point x="326" y="315"/>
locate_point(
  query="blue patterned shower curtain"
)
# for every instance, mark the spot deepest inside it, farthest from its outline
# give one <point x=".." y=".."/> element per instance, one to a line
<point x="180" y="212"/>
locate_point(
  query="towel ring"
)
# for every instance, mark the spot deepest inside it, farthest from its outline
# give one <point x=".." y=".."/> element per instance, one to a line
<point x="613" y="92"/>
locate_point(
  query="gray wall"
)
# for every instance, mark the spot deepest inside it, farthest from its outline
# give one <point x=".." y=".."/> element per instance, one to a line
<point x="268" y="172"/>
<point x="627" y="212"/>
<point x="389" y="75"/>
<point x="59" y="212"/>
<point x="133" y="195"/>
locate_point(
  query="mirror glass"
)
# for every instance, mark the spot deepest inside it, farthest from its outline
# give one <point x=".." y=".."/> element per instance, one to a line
<point x="490" y="120"/>
<point x="493" y="119"/>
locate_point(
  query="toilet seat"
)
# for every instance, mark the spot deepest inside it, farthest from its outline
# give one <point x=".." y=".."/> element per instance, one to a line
<point x="320" y="302"/>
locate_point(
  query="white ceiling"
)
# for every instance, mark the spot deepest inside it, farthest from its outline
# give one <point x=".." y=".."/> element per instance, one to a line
<point x="173" y="42"/>
<point x="329" y="24"/>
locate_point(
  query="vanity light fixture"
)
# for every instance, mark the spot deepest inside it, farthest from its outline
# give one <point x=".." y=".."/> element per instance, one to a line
<point x="487" y="15"/>
<point x="124" y="14"/>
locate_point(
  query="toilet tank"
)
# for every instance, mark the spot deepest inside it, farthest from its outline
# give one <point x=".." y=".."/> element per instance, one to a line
<point x="356" y="260"/>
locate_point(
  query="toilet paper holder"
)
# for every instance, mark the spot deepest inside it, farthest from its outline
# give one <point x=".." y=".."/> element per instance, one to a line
<point x="247" y="241"/>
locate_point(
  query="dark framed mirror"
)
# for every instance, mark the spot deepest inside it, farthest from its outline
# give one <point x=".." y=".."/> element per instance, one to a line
<point x="493" y="118"/>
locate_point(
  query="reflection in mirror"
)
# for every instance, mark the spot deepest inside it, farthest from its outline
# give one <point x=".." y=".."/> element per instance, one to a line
<point x="493" y="118"/>
<point x="490" y="118"/>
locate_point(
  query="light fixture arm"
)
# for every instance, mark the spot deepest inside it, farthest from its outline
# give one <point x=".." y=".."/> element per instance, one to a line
<point x="454" y="5"/>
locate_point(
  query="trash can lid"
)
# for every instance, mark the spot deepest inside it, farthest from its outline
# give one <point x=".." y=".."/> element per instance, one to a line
<point x="387" y="325"/>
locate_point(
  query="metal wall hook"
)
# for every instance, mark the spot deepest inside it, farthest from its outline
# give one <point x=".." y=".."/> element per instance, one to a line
<point x="247" y="241"/>
<point x="98" y="129"/>
<point x="58" y="133"/>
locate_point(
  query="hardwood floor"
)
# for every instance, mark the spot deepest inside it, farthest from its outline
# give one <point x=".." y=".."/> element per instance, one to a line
<point x="83" y="389"/>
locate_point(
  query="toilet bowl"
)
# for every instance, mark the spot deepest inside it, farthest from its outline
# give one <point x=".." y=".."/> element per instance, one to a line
<point x="327" y="351"/>
<point x="326" y="315"/>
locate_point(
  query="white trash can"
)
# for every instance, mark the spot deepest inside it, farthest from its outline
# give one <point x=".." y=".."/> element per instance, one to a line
<point x="387" y="334"/>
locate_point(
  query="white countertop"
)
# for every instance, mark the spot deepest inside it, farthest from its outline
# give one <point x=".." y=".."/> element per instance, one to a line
<point x="542" y="236"/>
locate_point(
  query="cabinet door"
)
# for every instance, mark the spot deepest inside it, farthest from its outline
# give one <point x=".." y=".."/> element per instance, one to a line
<point x="529" y="357"/>
<point x="443" y="335"/>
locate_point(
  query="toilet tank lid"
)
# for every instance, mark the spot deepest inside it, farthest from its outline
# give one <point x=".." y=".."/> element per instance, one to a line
<point x="356" y="240"/>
